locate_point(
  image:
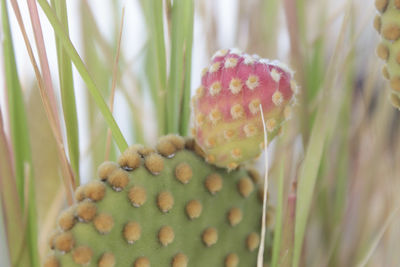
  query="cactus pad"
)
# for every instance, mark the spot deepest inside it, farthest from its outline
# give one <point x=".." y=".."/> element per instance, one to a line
<point x="227" y="122"/>
<point x="387" y="23"/>
<point x="164" y="207"/>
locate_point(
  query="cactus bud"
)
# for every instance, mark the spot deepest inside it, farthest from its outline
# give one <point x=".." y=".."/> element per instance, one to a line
<point x="227" y="120"/>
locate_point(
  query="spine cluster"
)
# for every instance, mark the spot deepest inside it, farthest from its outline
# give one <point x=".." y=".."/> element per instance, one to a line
<point x="161" y="207"/>
<point x="387" y="23"/>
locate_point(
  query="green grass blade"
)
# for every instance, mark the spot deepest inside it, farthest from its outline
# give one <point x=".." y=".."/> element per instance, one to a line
<point x="187" y="68"/>
<point x="11" y="205"/>
<point x="314" y="70"/>
<point x="156" y="67"/>
<point x="80" y="66"/>
<point x="4" y="251"/>
<point x="101" y="74"/>
<point x="306" y="184"/>
<point x="18" y="121"/>
<point x="67" y="92"/>
<point x="182" y="20"/>
<point x="269" y="27"/>
<point x="279" y="218"/>
<point x="20" y="141"/>
<point x="375" y="241"/>
<point x="325" y="121"/>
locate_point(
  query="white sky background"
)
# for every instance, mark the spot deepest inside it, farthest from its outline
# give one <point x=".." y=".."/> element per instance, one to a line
<point x="133" y="40"/>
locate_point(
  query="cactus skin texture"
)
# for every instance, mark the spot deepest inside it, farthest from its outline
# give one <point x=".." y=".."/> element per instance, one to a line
<point x="227" y="122"/>
<point x="387" y="23"/>
<point x="161" y="207"/>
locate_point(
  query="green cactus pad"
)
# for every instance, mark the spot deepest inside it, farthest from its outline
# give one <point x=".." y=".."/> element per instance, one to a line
<point x="170" y="210"/>
<point x="387" y="23"/>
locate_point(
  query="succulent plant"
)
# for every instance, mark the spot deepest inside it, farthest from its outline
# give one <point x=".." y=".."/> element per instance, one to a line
<point x="227" y="122"/>
<point x="161" y="207"/>
<point x="387" y="23"/>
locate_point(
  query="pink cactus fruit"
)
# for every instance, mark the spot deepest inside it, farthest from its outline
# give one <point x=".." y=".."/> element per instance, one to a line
<point x="227" y="120"/>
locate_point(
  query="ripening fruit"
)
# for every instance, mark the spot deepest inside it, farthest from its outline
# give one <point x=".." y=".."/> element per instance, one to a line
<point x="227" y="120"/>
<point x="387" y="24"/>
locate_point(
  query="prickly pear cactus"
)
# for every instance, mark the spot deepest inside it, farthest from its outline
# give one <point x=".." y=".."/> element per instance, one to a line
<point x="161" y="207"/>
<point x="387" y="23"/>
<point x="227" y="121"/>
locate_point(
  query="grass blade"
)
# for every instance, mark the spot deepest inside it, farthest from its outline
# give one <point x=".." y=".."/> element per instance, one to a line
<point x="374" y="243"/>
<point x="181" y="36"/>
<point x="22" y="155"/>
<point x="187" y="68"/>
<point x="67" y="175"/>
<point x="278" y="224"/>
<point x="11" y="205"/>
<point x="156" y="66"/>
<point x="18" y="121"/>
<point x="319" y="134"/>
<point x="114" y="82"/>
<point x="67" y="92"/>
<point x="80" y="66"/>
<point x="4" y="251"/>
<point x="307" y="179"/>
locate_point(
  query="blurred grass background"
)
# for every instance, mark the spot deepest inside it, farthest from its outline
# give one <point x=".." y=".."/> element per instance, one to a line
<point x="89" y="70"/>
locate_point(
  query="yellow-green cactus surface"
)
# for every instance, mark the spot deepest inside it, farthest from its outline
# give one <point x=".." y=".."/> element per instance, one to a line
<point x="161" y="207"/>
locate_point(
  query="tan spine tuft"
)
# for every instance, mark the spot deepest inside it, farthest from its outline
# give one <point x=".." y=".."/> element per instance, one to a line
<point x="80" y="193"/>
<point x="103" y="223"/>
<point x="183" y="172"/>
<point x="130" y="159"/>
<point x="105" y="169"/>
<point x="177" y="141"/>
<point x="166" y="235"/>
<point x="391" y="32"/>
<point x="137" y="195"/>
<point x="107" y="260"/>
<point x="64" y="242"/>
<point x="118" y="179"/>
<point x="132" y="232"/>
<point x="82" y="255"/>
<point x="67" y="219"/>
<point x="254" y="175"/>
<point x="180" y="260"/>
<point x="86" y="211"/>
<point x="377" y="23"/>
<point x="194" y="209"/>
<point x="210" y="236"/>
<point x="213" y="183"/>
<point x="245" y="186"/>
<point x="382" y="51"/>
<point x="51" y="261"/>
<point x="154" y="163"/>
<point x="252" y="241"/>
<point x="166" y="148"/>
<point x="381" y="5"/>
<point x="395" y="83"/>
<point x="231" y="260"/>
<point x="235" y="216"/>
<point x="142" y="262"/>
<point x="95" y="190"/>
<point x="165" y="201"/>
